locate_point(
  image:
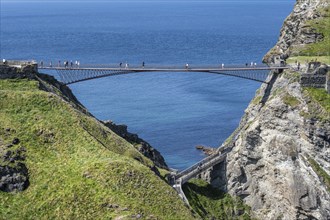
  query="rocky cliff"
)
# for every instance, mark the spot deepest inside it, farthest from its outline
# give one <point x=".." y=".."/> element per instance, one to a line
<point x="298" y="30"/>
<point x="279" y="163"/>
<point x="271" y="165"/>
<point x="141" y="145"/>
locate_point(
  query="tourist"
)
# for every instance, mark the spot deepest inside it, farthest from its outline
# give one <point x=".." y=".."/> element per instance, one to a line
<point x="298" y="66"/>
<point x="120" y="64"/>
<point x="59" y="63"/>
<point x="4" y="61"/>
<point x="71" y="63"/>
<point x="187" y="65"/>
<point x="222" y="65"/>
<point x="41" y="63"/>
<point x="143" y="64"/>
<point x="78" y="64"/>
<point x="50" y="64"/>
<point x="126" y="65"/>
<point x="251" y="64"/>
<point x="246" y="64"/>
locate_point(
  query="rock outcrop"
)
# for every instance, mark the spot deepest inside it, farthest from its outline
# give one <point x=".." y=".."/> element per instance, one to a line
<point x="13" y="171"/>
<point x="279" y="162"/>
<point x="296" y="32"/>
<point x="143" y="147"/>
<point x="270" y="163"/>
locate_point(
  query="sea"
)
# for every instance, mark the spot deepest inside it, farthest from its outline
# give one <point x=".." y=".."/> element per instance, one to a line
<point x="174" y="112"/>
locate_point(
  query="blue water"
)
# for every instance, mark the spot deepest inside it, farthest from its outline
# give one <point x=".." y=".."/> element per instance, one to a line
<point x="173" y="111"/>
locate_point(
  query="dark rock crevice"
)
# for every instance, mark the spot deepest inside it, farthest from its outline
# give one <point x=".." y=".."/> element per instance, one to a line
<point x="14" y="174"/>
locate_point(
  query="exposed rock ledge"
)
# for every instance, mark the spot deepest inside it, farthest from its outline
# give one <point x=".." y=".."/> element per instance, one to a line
<point x="295" y="31"/>
<point x="144" y="147"/>
<point x="269" y="165"/>
<point x="13" y="171"/>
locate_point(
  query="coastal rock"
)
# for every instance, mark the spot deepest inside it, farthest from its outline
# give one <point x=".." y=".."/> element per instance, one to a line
<point x="279" y="156"/>
<point x="295" y="31"/>
<point x="269" y="166"/>
<point x="144" y="147"/>
<point x="206" y="150"/>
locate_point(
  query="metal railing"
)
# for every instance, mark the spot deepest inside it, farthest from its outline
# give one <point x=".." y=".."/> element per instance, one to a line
<point x="155" y="66"/>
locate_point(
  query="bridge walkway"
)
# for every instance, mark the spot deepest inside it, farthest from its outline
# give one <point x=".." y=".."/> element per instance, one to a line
<point x="74" y="74"/>
<point x="178" y="179"/>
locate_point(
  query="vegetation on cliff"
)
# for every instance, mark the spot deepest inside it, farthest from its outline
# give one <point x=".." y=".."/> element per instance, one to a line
<point x="305" y="34"/>
<point x="77" y="167"/>
<point x="210" y="203"/>
<point x="320" y="25"/>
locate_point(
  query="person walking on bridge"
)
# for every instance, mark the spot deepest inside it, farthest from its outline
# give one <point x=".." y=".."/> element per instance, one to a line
<point x="187" y="66"/>
<point x="143" y="64"/>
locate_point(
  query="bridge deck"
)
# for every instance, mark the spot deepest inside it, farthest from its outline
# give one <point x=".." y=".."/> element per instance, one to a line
<point x="73" y="74"/>
<point x="166" y="69"/>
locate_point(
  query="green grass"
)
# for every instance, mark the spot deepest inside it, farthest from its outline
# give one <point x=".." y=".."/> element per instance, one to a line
<point x="306" y="59"/>
<point x="320" y="25"/>
<point x="210" y="203"/>
<point x="256" y="100"/>
<point x="318" y="101"/>
<point x="320" y="96"/>
<point x="77" y="167"/>
<point x="324" y="176"/>
<point x="291" y="101"/>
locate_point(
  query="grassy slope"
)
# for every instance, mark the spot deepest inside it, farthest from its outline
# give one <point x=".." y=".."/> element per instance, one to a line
<point x="318" y="101"/>
<point x="320" y="50"/>
<point x="320" y="25"/>
<point x="315" y="51"/>
<point x="210" y="203"/>
<point x="77" y="167"/>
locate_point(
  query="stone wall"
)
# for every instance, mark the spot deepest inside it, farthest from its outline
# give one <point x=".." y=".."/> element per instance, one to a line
<point x="317" y="78"/>
<point x="311" y="80"/>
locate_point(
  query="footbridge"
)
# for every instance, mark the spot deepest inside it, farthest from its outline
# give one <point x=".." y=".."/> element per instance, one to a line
<point x="178" y="179"/>
<point x="75" y="74"/>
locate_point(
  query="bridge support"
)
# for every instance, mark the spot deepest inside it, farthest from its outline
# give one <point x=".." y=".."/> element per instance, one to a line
<point x="177" y="180"/>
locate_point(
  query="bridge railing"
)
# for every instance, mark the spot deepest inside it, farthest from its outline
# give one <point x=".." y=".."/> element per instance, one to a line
<point x="150" y="65"/>
<point x="196" y="165"/>
<point x="202" y="168"/>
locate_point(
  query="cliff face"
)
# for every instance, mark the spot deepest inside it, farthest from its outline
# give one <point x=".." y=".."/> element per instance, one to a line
<point x="271" y="166"/>
<point x="296" y="32"/>
<point x="279" y="163"/>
